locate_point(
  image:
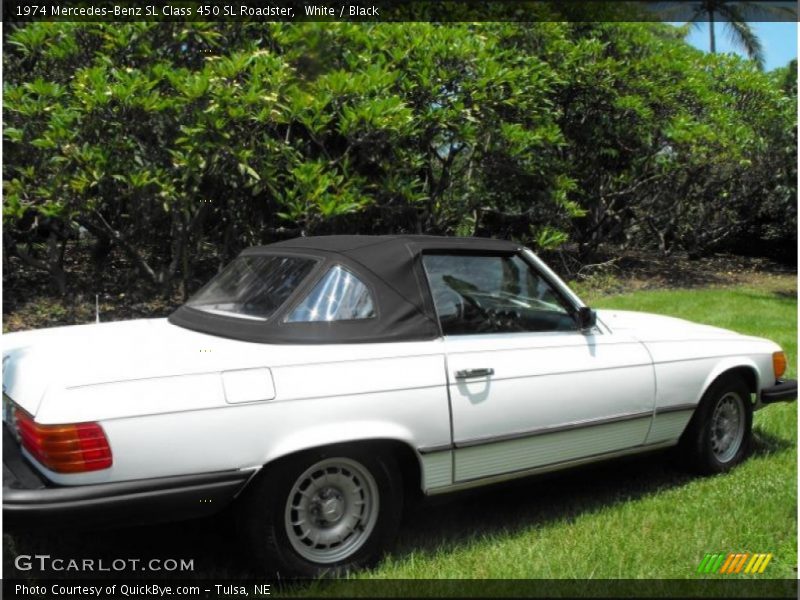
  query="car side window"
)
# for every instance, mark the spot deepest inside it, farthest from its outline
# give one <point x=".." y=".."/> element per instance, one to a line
<point x="493" y="294"/>
<point x="338" y="296"/>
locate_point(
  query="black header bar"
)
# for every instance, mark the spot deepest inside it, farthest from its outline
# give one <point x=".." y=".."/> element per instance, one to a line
<point x="385" y="10"/>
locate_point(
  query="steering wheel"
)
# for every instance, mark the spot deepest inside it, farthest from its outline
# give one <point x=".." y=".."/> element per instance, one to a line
<point x="446" y="297"/>
<point x="474" y="304"/>
<point x="490" y="320"/>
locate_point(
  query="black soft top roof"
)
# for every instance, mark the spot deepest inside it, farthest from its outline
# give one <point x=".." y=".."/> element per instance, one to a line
<point x="357" y="244"/>
<point x="389" y="265"/>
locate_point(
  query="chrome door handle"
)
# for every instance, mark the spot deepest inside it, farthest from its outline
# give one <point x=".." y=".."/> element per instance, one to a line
<point x="470" y="373"/>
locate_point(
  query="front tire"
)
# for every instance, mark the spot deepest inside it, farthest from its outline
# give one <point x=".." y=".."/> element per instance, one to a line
<point x="719" y="434"/>
<point x="323" y="512"/>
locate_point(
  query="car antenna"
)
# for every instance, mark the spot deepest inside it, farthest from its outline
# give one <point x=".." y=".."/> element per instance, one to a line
<point x="96" y="308"/>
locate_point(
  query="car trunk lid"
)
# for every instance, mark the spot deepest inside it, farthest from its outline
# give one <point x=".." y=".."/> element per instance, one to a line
<point x="36" y="362"/>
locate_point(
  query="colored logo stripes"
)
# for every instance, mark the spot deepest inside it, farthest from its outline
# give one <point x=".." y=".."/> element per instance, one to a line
<point x="733" y="562"/>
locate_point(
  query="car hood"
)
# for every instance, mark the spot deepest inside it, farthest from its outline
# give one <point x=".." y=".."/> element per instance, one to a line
<point x="648" y="327"/>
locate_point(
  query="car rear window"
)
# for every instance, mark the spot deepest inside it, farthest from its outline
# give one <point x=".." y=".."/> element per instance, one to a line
<point x="252" y="287"/>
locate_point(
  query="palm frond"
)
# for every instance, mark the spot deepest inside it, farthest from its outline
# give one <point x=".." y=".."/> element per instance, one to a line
<point x="690" y="12"/>
<point x="764" y="11"/>
<point x="741" y="34"/>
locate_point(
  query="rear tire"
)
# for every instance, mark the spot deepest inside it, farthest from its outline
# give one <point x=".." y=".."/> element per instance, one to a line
<point x="322" y="512"/>
<point x="718" y="436"/>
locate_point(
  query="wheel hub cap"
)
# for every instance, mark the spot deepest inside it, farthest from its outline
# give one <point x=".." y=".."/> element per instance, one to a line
<point x="727" y="427"/>
<point x="331" y="510"/>
<point x="329" y="505"/>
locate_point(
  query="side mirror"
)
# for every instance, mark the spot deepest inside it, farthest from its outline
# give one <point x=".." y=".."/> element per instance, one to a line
<point x="586" y="318"/>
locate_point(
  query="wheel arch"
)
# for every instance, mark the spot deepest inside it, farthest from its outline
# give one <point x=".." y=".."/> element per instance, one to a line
<point x="744" y="367"/>
<point x="391" y="442"/>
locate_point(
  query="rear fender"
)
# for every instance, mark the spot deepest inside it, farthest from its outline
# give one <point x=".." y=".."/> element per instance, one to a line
<point x="329" y="435"/>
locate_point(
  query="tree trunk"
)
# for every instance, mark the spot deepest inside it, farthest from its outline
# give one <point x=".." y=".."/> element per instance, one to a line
<point x="712" y="36"/>
<point x="129" y="249"/>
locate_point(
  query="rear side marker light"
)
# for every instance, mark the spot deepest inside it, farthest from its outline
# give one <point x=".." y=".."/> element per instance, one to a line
<point x="74" y="448"/>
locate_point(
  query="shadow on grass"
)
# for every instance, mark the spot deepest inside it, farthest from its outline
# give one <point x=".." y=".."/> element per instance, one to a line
<point x="535" y="501"/>
<point x="765" y="443"/>
<point x="790" y="294"/>
<point x="452" y="520"/>
<point x="783" y="298"/>
<point x="433" y="523"/>
<point x="439" y="522"/>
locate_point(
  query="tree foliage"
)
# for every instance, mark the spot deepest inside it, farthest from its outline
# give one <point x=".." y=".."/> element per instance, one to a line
<point x="176" y="142"/>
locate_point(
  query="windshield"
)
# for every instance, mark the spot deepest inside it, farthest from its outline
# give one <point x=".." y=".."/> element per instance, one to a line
<point x="252" y="287"/>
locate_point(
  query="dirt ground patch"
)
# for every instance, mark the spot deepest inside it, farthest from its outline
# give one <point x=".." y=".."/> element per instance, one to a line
<point x="630" y="273"/>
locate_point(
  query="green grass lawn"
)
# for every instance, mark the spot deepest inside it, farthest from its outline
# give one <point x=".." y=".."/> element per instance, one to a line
<point x="635" y="518"/>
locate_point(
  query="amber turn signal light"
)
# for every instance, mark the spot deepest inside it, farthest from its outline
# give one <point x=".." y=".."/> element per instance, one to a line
<point x="779" y="363"/>
<point x="74" y="448"/>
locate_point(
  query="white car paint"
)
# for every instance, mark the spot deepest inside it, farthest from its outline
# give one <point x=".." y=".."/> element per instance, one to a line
<point x="175" y="402"/>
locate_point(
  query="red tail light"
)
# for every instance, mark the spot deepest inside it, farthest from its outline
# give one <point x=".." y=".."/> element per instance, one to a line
<point x="75" y="448"/>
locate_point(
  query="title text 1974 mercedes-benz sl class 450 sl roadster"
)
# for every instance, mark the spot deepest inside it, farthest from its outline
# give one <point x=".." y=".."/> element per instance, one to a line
<point x="312" y="381"/>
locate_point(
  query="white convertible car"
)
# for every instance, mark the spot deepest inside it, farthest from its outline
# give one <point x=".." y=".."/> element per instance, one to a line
<point x="315" y="381"/>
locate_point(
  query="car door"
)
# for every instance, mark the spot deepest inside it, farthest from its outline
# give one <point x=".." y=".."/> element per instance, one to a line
<point x="527" y="388"/>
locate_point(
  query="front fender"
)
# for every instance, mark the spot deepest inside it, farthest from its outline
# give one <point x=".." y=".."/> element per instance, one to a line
<point x="728" y="364"/>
